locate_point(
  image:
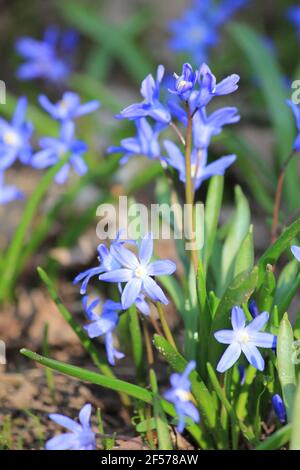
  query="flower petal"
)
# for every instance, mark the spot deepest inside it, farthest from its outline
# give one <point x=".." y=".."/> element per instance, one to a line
<point x="253" y="356"/>
<point x="131" y="292"/>
<point x="65" y="421"/>
<point x="229" y="357"/>
<point x="117" y="275"/>
<point x="125" y="257"/>
<point x="258" y="322"/>
<point x="224" y="336"/>
<point x="85" y="415"/>
<point x="161" y="268"/>
<point x="146" y="248"/>
<point x="263" y="340"/>
<point x="238" y="318"/>
<point x="65" y="441"/>
<point x="153" y="290"/>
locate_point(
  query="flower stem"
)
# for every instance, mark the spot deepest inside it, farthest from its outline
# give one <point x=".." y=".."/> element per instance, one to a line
<point x="189" y="186"/>
<point x="165" y="325"/>
<point x="278" y="196"/>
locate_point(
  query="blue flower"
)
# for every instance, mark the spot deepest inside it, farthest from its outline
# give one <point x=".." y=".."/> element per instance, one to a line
<point x="150" y="106"/>
<point x="107" y="263"/>
<point x="80" y="437"/>
<point x="205" y="127"/>
<point x="198" y="29"/>
<point x="145" y="143"/>
<point x="185" y="82"/>
<point x="69" y="107"/>
<point x="103" y="324"/>
<point x="15" y="137"/>
<point x="209" y="88"/>
<point x="296" y="252"/>
<point x="279" y="408"/>
<point x="200" y="170"/>
<point x="53" y="150"/>
<point x="49" y="58"/>
<point x="180" y="395"/>
<point x="296" y="110"/>
<point x="244" y="339"/>
<point x="293" y="15"/>
<point x="8" y="193"/>
<point x="138" y="272"/>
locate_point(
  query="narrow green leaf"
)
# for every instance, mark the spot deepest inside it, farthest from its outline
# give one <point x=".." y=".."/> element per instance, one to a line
<point x="17" y="243"/>
<point x="247" y="432"/>
<point x="245" y="257"/>
<point x="265" y="295"/>
<point x="212" y="212"/>
<point x="137" y="343"/>
<point x="283" y="243"/>
<point x="286" y="367"/>
<point x="163" y="434"/>
<point x="277" y="439"/>
<point x="237" y="232"/>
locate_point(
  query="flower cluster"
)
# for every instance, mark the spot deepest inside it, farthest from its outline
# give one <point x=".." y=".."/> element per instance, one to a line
<point x="50" y="59"/>
<point x="198" y="29"/>
<point x="15" y="141"/>
<point x="192" y="92"/>
<point x="293" y="15"/>
<point x="134" y="276"/>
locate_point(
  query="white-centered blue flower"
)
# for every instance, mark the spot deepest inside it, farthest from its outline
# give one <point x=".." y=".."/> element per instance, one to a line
<point x="80" y="437"/>
<point x="244" y="339"/>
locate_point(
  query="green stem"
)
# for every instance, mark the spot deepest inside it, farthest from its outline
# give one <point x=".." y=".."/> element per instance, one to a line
<point x="189" y="186"/>
<point x="165" y="325"/>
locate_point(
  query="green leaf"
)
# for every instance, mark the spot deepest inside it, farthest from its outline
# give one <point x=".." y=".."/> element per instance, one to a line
<point x="266" y="69"/>
<point x="247" y="432"/>
<point x="212" y="212"/>
<point x="265" y="295"/>
<point x="283" y="243"/>
<point x="17" y="244"/>
<point x="276" y="440"/>
<point x="245" y="258"/>
<point x="237" y="232"/>
<point x="137" y="343"/>
<point x="163" y="434"/>
<point x="286" y="367"/>
<point x="295" y="435"/>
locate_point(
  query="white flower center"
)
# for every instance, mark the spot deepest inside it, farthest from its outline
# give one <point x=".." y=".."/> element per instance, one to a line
<point x="181" y="84"/>
<point x="183" y="395"/>
<point x="63" y="104"/>
<point x="242" y="336"/>
<point x="140" y="272"/>
<point x="11" y="138"/>
<point x="194" y="168"/>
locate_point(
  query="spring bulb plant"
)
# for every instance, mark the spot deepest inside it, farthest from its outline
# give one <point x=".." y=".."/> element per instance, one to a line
<point x="208" y="327"/>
